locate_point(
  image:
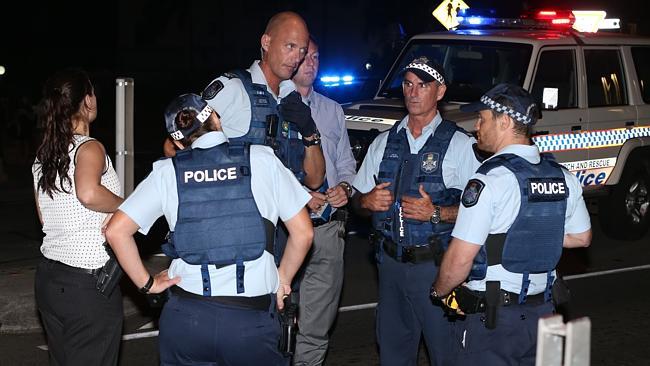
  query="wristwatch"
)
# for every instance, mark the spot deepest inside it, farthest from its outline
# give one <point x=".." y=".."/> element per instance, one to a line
<point x="347" y="187"/>
<point x="314" y="141"/>
<point x="434" y="294"/>
<point x="435" y="217"/>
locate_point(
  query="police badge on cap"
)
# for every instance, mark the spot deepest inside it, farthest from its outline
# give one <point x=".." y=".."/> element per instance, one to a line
<point x="186" y="102"/>
<point x="426" y="70"/>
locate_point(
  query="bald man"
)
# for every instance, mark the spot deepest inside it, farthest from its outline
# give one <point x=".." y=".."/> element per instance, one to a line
<point x="251" y="100"/>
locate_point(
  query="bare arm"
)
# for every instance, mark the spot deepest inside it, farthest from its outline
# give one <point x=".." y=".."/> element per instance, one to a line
<point x="580" y="240"/>
<point x="301" y="235"/>
<point x="38" y="207"/>
<point x="456" y="264"/>
<point x="119" y="234"/>
<point x="90" y="165"/>
<point x="314" y="166"/>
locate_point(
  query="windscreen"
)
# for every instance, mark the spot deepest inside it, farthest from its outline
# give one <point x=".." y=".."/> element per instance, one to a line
<point x="472" y="67"/>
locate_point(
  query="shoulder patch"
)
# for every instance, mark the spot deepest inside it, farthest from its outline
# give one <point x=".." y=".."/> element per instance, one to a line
<point x="212" y="90"/>
<point x="472" y="192"/>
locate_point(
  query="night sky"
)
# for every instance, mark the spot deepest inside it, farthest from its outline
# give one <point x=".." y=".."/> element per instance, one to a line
<point x="171" y="47"/>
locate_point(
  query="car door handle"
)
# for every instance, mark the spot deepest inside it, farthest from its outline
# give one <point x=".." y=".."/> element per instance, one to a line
<point x="541" y="132"/>
<point x="576" y="128"/>
<point x="629" y="124"/>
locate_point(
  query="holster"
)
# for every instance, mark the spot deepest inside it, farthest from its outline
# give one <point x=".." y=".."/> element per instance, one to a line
<point x="289" y="326"/>
<point x="110" y="274"/>
<point x="472" y="303"/>
<point x="492" y="303"/>
<point x="560" y="292"/>
<point x="438" y="250"/>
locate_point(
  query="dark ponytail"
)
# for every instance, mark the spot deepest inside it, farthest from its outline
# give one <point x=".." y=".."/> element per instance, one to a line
<point x="63" y="94"/>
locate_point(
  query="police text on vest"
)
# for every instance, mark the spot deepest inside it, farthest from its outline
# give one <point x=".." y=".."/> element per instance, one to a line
<point x="213" y="175"/>
<point x="547" y="188"/>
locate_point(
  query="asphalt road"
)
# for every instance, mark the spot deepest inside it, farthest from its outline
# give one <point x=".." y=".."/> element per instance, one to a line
<point x="609" y="284"/>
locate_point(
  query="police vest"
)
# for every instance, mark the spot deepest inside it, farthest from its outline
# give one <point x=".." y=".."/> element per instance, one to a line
<point x="268" y="128"/>
<point x="406" y="172"/>
<point x="533" y="244"/>
<point x="218" y="221"/>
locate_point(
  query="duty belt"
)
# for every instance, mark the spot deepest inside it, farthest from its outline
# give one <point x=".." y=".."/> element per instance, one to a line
<point x="472" y="302"/>
<point x="338" y="215"/>
<point x="412" y="254"/>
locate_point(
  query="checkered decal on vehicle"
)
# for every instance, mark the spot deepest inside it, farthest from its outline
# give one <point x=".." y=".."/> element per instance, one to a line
<point x="588" y="139"/>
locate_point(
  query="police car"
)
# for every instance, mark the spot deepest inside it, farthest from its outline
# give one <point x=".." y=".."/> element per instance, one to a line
<point x="594" y="89"/>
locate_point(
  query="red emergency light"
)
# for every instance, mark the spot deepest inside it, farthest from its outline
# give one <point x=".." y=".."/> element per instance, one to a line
<point x="558" y="18"/>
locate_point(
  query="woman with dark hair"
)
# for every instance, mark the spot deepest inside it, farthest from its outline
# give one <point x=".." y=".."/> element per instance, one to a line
<point x="76" y="189"/>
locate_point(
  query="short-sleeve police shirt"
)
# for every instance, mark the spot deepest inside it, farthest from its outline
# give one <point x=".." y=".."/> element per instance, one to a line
<point x="276" y="192"/>
<point x="496" y="208"/>
<point x="232" y="103"/>
<point x="458" y="164"/>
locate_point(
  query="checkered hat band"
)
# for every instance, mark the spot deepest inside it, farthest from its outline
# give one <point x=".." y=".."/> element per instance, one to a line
<point x="500" y="108"/>
<point x="428" y="69"/>
<point x="176" y="135"/>
<point x="205" y="113"/>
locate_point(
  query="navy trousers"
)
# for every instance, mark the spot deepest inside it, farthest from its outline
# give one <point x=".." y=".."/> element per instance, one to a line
<point x="405" y="312"/>
<point x="512" y="342"/>
<point x="202" y="332"/>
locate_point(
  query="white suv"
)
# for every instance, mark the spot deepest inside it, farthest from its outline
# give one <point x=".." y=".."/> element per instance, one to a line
<point x="595" y="93"/>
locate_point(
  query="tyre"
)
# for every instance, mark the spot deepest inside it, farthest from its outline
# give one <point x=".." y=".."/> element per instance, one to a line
<point x="625" y="214"/>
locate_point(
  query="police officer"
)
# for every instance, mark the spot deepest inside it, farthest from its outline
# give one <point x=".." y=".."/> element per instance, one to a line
<point x="221" y="202"/>
<point x="250" y="100"/>
<point x="518" y="211"/>
<point x="411" y="181"/>
<point x="321" y="283"/>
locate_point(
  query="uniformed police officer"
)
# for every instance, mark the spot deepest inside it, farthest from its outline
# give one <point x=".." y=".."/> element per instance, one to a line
<point x="259" y="113"/>
<point x="250" y="99"/>
<point x="221" y="202"/>
<point x="518" y="211"/>
<point x="411" y="181"/>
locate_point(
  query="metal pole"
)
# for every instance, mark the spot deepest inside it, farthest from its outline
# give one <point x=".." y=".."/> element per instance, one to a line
<point x="124" y="157"/>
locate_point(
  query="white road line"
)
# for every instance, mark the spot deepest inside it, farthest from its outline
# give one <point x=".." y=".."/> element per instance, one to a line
<point x="147" y="326"/>
<point x="372" y="305"/>
<point x="128" y="337"/>
<point x="611" y="271"/>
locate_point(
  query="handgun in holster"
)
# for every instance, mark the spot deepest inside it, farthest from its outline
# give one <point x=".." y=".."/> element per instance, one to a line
<point x="492" y="303"/>
<point x="377" y="240"/>
<point x="560" y="292"/>
<point x="438" y="250"/>
<point x="289" y="324"/>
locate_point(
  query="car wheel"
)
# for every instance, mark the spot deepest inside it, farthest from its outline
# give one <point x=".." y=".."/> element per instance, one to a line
<point x="625" y="214"/>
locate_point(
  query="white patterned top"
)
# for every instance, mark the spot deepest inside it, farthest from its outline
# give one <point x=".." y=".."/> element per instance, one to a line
<point x="73" y="232"/>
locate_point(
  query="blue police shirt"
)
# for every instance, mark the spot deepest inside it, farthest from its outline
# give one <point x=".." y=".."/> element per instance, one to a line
<point x="498" y="206"/>
<point x="458" y="164"/>
<point x="276" y="192"/>
<point x="233" y="104"/>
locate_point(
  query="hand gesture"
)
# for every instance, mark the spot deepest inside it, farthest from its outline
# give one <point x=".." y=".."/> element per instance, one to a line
<point x="379" y="199"/>
<point x="292" y="109"/>
<point x="415" y="208"/>
<point x="337" y="196"/>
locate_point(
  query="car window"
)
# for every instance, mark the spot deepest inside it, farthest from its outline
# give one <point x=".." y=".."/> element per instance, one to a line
<point x="605" y="78"/>
<point x="641" y="56"/>
<point x="555" y="80"/>
<point x="471" y="67"/>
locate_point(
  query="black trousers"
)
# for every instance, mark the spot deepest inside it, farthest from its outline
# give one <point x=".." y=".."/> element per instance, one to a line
<point x="82" y="326"/>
